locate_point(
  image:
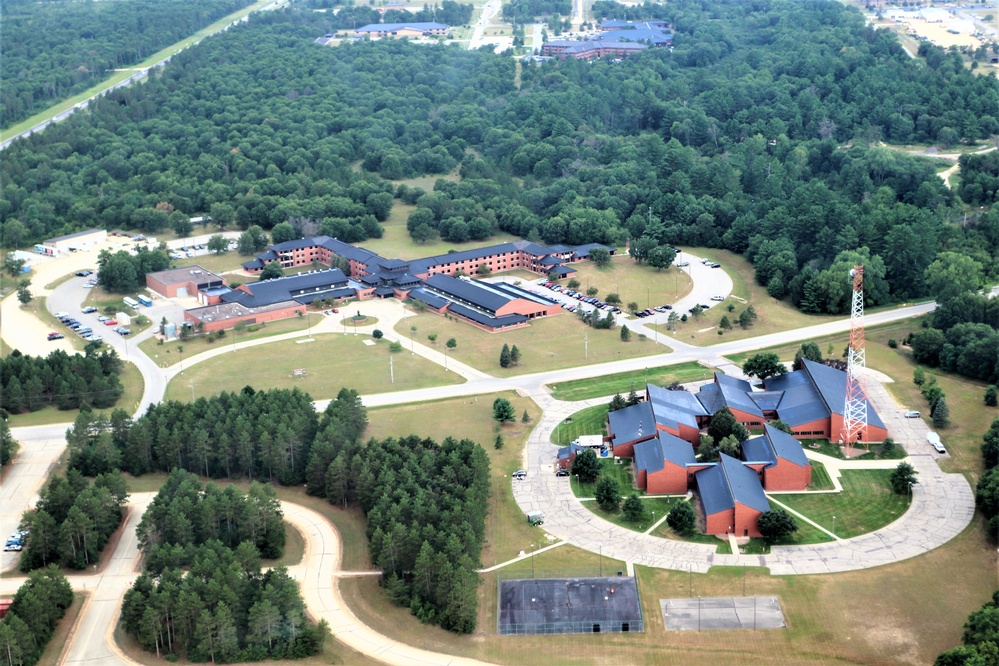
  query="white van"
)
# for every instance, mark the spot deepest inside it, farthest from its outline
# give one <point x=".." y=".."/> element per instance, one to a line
<point x="934" y="440"/>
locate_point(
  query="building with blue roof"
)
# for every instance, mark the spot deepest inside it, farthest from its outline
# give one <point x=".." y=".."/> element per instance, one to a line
<point x="628" y="426"/>
<point x="618" y="39"/>
<point x="732" y="497"/>
<point x="664" y="465"/>
<point x="413" y="30"/>
<point x="778" y="459"/>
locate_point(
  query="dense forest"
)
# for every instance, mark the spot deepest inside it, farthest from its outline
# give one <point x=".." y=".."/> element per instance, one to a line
<point x="38" y="605"/>
<point x="187" y="513"/>
<point x="426" y="506"/>
<point x="964" y="337"/>
<point x="220" y="606"/>
<point x="760" y="131"/>
<point x="979" y="178"/>
<point x="527" y="11"/>
<point x="350" y="15"/>
<point x="53" y="50"/>
<point x="28" y="383"/>
<point x="73" y="520"/>
<point x="123" y="272"/>
<point x="264" y="435"/>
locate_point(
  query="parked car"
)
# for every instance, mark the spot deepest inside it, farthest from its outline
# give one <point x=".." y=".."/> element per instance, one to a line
<point x="88" y="309"/>
<point x="912" y="414"/>
<point x="717" y="298"/>
<point x="562" y="472"/>
<point x="56" y="336"/>
<point x="683" y="264"/>
<point x="84" y="273"/>
<point x="520" y="474"/>
<point x="715" y="265"/>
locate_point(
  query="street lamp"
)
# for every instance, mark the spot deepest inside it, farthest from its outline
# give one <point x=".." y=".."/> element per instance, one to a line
<point x="834" y="525"/>
<point x="601" y="547"/>
<point x="532" y="560"/>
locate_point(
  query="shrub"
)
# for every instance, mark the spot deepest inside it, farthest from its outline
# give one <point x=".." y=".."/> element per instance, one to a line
<point x="682" y="518"/>
<point x="395" y="347"/>
<point x="893" y="343"/>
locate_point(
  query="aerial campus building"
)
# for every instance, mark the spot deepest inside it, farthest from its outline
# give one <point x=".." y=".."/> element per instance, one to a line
<point x="660" y="434"/>
<point x="440" y="283"/>
<point x="618" y="39"/>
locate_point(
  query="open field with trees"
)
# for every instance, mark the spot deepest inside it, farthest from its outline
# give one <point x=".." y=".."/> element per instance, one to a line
<point x="624" y="382"/>
<point x="330" y="362"/>
<point x="639" y="283"/>
<point x="549" y="343"/>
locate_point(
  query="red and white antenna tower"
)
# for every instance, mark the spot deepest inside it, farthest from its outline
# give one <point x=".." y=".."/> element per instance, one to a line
<point x="855" y="410"/>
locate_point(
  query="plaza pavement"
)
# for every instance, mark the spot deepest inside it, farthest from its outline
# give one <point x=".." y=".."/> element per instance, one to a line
<point x="942" y="506"/>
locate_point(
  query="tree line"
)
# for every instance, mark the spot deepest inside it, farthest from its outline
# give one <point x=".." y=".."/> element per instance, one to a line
<point x="36" y="609"/>
<point x="187" y="513"/>
<point x="964" y="337"/>
<point x="264" y="435"/>
<point x="526" y="11"/>
<point x="123" y="272"/>
<point x="73" y="520"/>
<point x="55" y="50"/>
<point x="220" y="606"/>
<point x="8" y="445"/>
<point x="29" y="383"/>
<point x="426" y="506"/>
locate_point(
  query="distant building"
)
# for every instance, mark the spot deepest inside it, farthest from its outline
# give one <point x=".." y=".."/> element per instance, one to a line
<point x="399" y="30"/>
<point x="619" y="39"/>
<point x="81" y="240"/>
<point x="183" y="282"/>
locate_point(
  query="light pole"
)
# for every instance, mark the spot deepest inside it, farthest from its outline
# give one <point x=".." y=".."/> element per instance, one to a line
<point x="445" y="358"/>
<point x="834" y="525"/>
<point x="532" y="560"/>
<point x="601" y="547"/>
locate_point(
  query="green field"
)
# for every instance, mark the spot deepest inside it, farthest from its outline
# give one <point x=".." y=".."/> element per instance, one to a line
<point x="550" y="343"/>
<point x="507" y="530"/>
<point x="639" y="283"/>
<point x="773" y="316"/>
<point x="166" y="354"/>
<point x="620" y="472"/>
<point x="866" y="504"/>
<point x="589" y="421"/>
<point x="655" y="508"/>
<point x="331" y="362"/>
<point x="624" y="382"/>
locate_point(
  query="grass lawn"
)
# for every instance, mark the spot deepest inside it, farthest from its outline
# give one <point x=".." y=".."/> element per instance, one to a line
<point x="166" y="354"/>
<point x="820" y="477"/>
<point x="655" y="508"/>
<point x="773" y="316"/>
<point x="331" y="362"/>
<point x="625" y="382"/>
<point x="550" y="343"/>
<point x="63" y="632"/>
<point x="805" y="535"/>
<point x="825" y="447"/>
<point x="866" y="504"/>
<point x="619" y="472"/>
<point x="131" y="379"/>
<point x="219" y="263"/>
<point x="666" y="532"/>
<point x="639" y="283"/>
<point x="294" y="548"/>
<point x="507" y="530"/>
<point x="589" y="421"/>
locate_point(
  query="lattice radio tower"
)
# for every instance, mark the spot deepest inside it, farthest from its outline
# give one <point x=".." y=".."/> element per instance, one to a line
<point x="855" y="410"/>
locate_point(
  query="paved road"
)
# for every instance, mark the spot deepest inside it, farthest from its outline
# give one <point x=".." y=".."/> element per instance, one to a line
<point x="489" y="11"/>
<point x="41" y="447"/>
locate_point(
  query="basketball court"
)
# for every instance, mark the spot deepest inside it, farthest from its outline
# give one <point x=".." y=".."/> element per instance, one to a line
<point x="706" y="614"/>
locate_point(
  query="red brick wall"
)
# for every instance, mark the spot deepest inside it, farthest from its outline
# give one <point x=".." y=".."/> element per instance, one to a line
<point x="748" y="420"/>
<point x="719" y="523"/>
<point x="161" y="288"/>
<point x="821" y="426"/>
<point x="785" y="475"/>
<point x="627" y="449"/>
<point x="872" y="434"/>
<point x="258" y="318"/>
<point x="745" y="521"/>
<point x="642" y="479"/>
<point x="670" y="480"/>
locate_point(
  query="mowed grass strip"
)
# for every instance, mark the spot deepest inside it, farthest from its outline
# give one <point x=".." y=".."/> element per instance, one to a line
<point x="550" y="343"/>
<point x="507" y="530"/>
<point x="866" y="504"/>
<point x="330" y="362"/>
<point x="620" y="472"/>
<point x="167" y="354"/>
<point x="655" y="508"/>
<point x="625" y="382"/>
<point x="589" y="421"/>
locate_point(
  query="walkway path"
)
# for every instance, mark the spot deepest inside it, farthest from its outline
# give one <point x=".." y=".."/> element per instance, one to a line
<point x="942" y="506"/>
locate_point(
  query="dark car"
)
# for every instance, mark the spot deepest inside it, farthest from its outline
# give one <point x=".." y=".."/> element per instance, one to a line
<point x="56" y="336"/>
<point x="562" y="472"/>
<point x="84" y="273"/>
<point x="88" y="309"/>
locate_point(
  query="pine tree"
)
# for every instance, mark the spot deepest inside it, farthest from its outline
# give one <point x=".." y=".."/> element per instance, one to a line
<point x="941" y="413"/>
<point x="514" y="355"/>
<point x="625" y="333"/>
<point x="498" y="444"/>
<point x="526" y="418"/>
<point x="633" y="509"/>
<point x="617" y="402"/>
<point x="504" y="358"/>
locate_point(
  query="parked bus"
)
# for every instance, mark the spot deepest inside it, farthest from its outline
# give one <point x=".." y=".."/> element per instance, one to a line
<point x="145" y="300"/>
<point x="131" y="302"/>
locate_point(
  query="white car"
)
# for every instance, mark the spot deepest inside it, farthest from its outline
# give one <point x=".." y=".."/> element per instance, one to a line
<point x="717" y="298"/>
<point x="683" y="264"/>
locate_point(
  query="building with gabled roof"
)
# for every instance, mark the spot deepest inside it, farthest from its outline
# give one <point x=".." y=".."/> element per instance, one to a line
<point x="629" y="426"/>
<point x="664" y="465"/>
<point x="732" y="497"/>
<point x="399" y="30"/>
<point x="778" y="459"/>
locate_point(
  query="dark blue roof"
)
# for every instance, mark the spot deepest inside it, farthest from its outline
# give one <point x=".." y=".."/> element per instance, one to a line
<point x="516" y="292"/>
<point x="730" y="482"/>
<point x="433" y="300"/>
<point x="649" y="456"/>
<point x="735" y="393"/>
<point x="293" y="287"/>
<point x="632" y="423"/>
<point x="253" y="264"/>
<point x="566" y="452"/>
<point x="758" y="450"/>
<point x="786" y="446"/>
<point x="484" y="319"/>
<point x="800" y="401"/>
<point x="467" y="292"/>
<point x="675" y="407"/>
